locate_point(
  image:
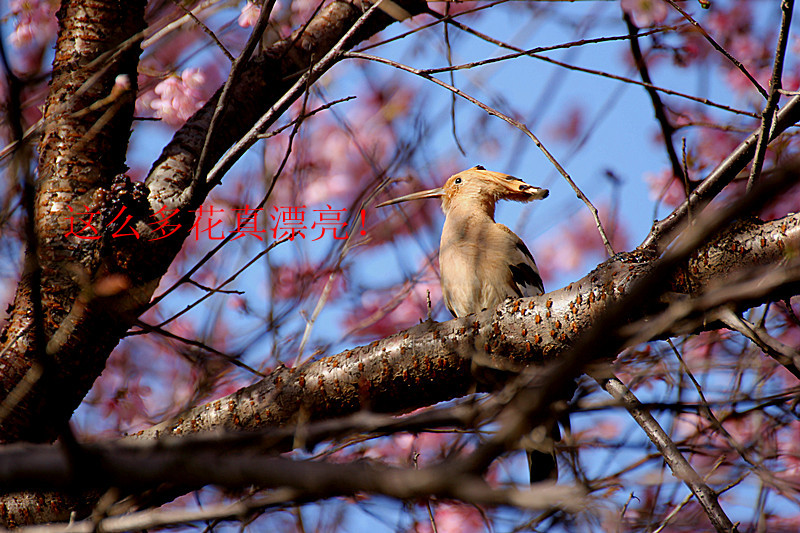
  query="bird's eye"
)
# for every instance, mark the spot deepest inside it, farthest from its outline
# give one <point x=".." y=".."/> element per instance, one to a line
<point x="457" y="181"/>
<point x="479" y="167"/>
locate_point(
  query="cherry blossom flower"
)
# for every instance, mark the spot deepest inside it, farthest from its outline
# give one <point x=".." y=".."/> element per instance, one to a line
<point x="299" y="281"/>
<point x="377" y="318"/>
<point x="572" y="244"/>
<point x="666" y="187"/>
<point x="35" y="21"/>
<point x="645" y="12"/>
<point x="452" y="518"/>
<point x="249" y="15"/>
<point x="176" y="98"/>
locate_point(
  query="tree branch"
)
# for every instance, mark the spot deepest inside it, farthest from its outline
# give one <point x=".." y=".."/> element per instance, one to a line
<point x="666" y="230"/>
<point x="426" y="364"/>
<point x="82" y="148"/>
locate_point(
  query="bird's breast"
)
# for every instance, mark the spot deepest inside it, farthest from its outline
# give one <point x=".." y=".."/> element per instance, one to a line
<point x="474" y="261"/>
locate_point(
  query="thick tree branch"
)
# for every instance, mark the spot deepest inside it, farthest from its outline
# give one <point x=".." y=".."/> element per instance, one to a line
<point x="83" y="146"/>
<point x="427" y="363"/>
<point x="434" y="362"/>
<point x="262" y="84"/>
<point x="189" y="464"/>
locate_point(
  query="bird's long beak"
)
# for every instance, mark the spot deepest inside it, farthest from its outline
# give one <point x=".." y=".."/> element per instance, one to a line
<point x="430" y="193"/>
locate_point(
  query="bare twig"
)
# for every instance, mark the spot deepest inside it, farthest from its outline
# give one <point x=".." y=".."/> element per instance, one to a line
<point x="236" y="70"/>
<point x="149" y="464"/>
<point x="333" y="55"/>
<point x="159" y="518"/>
<point x="719" y="47"/>
<point x="787" y="6"/>
<point x="188" y="276"/>
<point x="519" y="52"/>
<point x="686" y="188"/>
<point x="453" y="99"/>
<point x="667" y="129"/>
<point x="666" y="230"/>
<point x="234" y="360"/>
<point x="494" y="112"/>
<point x="783" y="354"/>
<point x="706" y="496"/>
<point x="231" y="278"/>
<point x="705" y="409"/>
<point x="153" y="36"/>
<point x="205" y="29"/>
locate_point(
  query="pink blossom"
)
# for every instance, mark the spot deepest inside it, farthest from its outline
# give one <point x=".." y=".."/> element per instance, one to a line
<point x="128" y="403"/>
<point x="404" y="449"/>
<point x="789" y="452"/>
<point x="602" y="429"/>
<point x="382" y="314"/>
<point x="176" y="98"/>
<point x="665" y="187"/>
<point x="298" y="281"/>
<point x="36" y="21"/>
<point x="734" y="21"/>
<point x="249" y="15"/>
<point x="328" y="188"/>
<point x="454" y="517"/>
<point x="742" y="84"/>
<point x="568" y="248"/>
<point x="571" y="126"/>
<point x="694" y="48"/>
<point x="701" y="348"/>
<point x="645" y="12"/>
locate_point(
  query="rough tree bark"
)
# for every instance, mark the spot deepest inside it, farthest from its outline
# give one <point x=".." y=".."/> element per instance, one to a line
<point x="434" y="362"/>
<point x="80" y="152"/>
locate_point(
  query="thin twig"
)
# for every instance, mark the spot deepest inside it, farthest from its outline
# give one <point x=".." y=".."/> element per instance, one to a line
<point x="705" y="409"/>
<point x="686" y="187"/>
<point x="533" y="53"/>
<point x="186" y="278"/>
<point x="230" y="279"/>
<point x="788" y="357"/>
<point x="236" y="70"/>
<point x="438" y="19"/>
<point x="704" y="101"/>
<point x="666" y="230"/>
<point x="206" y="29"/>
<point x="667" y="129"/>
<point x="333" y="55"/>
<point x="787" y="6"/>
<point x="719" y="47"/>
<point x="153" y="36"/>
<point x="706" y="496"/>
<point x="234" y="360"/>
<point x="273" y="133"/>
<point x="326" y="290"/>
<point x="452" y="95"/>
<point x="494" y="112"/>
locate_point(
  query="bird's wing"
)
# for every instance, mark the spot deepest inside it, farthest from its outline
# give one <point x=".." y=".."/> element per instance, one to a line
<point x="524" y="272"/>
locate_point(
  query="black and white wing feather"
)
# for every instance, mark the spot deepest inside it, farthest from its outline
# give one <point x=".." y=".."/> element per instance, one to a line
<point x="525" y="276"/>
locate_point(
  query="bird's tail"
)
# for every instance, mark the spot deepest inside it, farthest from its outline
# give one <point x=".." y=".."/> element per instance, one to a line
<point x="540" y="446"/>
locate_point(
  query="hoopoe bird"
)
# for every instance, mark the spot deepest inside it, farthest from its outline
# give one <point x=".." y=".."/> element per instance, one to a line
<point x="482" y="263"/>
